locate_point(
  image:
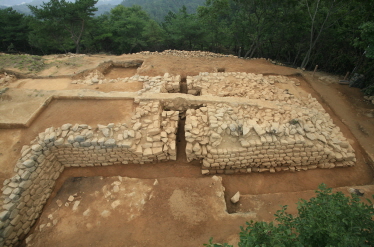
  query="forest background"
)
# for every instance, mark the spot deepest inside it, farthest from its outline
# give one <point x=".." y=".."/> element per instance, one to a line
<point x="337" y="35"/>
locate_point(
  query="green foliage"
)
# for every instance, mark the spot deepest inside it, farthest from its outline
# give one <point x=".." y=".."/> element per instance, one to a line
<point x="211" y="244"/>
<point x="13" y="31"/>
<point x="369" y="91"/>
<point x="367" y="39"/>
<point x="331" y="33"/>
<point x="66" y="19"/>
<point x="329" y="219"/>
<point x="294" y="121"/>
<point x="184" y="31"/>
<point x="126" y="30"/>
<point x="22" y="62"/>
<point x="215" y="19"/>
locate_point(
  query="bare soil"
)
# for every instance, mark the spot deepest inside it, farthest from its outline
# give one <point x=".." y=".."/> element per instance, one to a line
<point x="180" y="213"/>
<point x="56" y="114"/>
<point x="115" y="73"/>
<point x="144" y="212"/>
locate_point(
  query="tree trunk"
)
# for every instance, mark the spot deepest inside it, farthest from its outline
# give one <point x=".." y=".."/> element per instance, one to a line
<point x="313" y="38"/>
<point x="78" y="40"/>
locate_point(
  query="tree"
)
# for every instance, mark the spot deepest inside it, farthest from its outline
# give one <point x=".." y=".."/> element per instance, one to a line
<point x="154" y="35"/>
<point x="49" y="37"/>
<point x="215" y="17"/>
<point x="329" y="219"/>
<point x="70" y="17"/>
<point x="367" y="39"/>
<point x="322" y="14"/>
<point x="128" y="25"/>
<point x="184" y="31"/>
<point x="13" y="31"/>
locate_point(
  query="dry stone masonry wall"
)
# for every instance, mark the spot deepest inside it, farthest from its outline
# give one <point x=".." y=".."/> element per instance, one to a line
<point x="279" y="132"/>
<point x="268" y="127"/>
<point x="178" y="53"/>
<point x="243" y="85"/>
<point x="157" y="84"/>
<point x="245" y="139"/>
<point x="150" y="137"/>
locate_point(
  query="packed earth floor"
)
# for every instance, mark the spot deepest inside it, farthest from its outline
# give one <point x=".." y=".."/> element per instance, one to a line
<point x="148" y="149"/>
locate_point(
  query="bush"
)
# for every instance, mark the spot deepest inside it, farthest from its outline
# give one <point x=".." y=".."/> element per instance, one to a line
<point x="329" y="219"/>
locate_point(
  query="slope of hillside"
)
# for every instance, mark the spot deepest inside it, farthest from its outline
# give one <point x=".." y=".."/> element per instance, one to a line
<point x="21" y="5"/>
<point x="159" y="9"/>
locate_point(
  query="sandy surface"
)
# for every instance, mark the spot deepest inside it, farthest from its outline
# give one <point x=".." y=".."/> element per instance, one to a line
<point x="119" y="211"/>
<point x="178" y="214"/>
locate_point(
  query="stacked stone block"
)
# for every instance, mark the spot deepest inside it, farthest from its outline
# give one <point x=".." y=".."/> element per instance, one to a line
<point x="150" y="137"/>
<point x="247" y="138"/>
<point x="156" y="84"/>
<point x="243" y="85"/>
<point x="186" y="54"/>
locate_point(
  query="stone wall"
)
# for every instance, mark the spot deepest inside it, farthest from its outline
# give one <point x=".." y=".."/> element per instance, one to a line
<point x="185" y="54"/>
<point x="242" y="138"/>
<point x="156" y="84"/>
<point x="270" y="128"/>
<point x="104" y="67"/>
<point x="150" y="137"/>
<point x="243" y="85"/>
<point x="280" y="130"/>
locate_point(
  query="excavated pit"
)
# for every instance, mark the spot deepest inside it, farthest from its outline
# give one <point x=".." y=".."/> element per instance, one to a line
<point x="119" y="72"/>
<point x="178" y="108"/>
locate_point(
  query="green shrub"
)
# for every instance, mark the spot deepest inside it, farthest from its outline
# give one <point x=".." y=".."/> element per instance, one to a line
<point x="329" y="219"/>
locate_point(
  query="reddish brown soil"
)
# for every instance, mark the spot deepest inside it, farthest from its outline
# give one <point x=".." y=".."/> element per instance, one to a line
<point x="56" y="114"/>
<point x="115" y="73"/>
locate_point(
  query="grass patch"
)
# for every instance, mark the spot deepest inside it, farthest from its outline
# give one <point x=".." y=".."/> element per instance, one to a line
<point x="22" y="62"/>
<point x="70" y="62"/>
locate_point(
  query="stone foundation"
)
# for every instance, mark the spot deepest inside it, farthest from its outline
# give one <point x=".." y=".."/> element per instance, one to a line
<point x="237" y="139"/>
<point x="245" y="123"/>
<point x="151" y="137"/>
<point x="275" y="131"/>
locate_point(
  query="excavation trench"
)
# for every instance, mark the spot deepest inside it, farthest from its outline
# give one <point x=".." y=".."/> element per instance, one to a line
<point x="254" y="184"/>
<point x="183" y="85"/>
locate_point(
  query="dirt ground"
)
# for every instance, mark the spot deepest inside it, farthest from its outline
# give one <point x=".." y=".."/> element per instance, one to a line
<point x="189" y="220"/>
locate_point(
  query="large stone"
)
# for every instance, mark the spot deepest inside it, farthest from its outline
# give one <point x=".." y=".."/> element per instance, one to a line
<point x="59" y="142"/>
<point x="154" y="131"/>
<point x="29" y="163"/>
<point x="131" y="133"/>
<point x="259" y="130"/>
<point x="310" y="136"/>
<point x="233" y="127"/>
<point x="137" y="126"/>
<point x="110" y="142"/>
<point x="7" y="191"/>
<point x="215" y="136"/>
<point x="196" y="148"/>
<point x="105" y="131"/>
<point x="235" y="198"/>
<point x="127" y="144"/>
<point x="79" y="138"/>
<point x="4" y="215"/>
<point x="246" y="129"/>
<point x="157" y="150"/>
<point x="7" y="231"/>
<point x="147" y="152"/>
<point x="66" y="126"/>
<point x="36" y="147"/>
